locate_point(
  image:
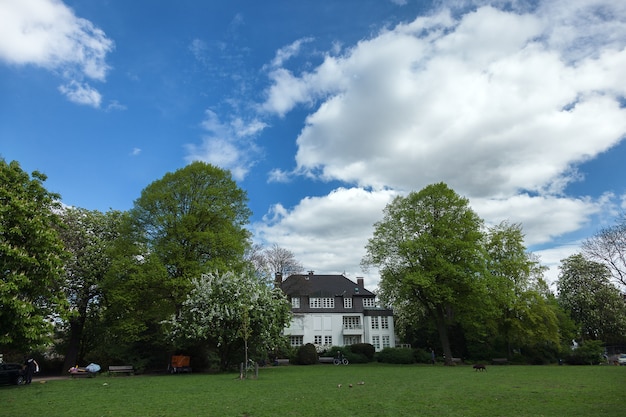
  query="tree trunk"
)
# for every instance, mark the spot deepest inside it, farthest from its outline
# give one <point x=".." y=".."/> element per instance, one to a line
<point x="442" y="328"/>
<point x="76" y="333"/>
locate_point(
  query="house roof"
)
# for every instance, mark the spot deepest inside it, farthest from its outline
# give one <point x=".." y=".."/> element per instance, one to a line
<point x="312" y="285"/>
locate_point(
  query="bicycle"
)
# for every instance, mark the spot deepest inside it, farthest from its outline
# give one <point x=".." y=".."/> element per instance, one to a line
<point x="340" y="359"/>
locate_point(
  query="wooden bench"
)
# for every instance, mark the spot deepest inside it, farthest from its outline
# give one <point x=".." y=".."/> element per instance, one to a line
<point x="326" y="359"/>
<point x="281" y="362"/>
<point x="121" y="369"/>
<point x="456" y="361"/>
<point x="499" y="361"/>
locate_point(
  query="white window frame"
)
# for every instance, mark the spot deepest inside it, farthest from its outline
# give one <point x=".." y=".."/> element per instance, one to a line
<point x="296" y="341"/>
<point x="384" y="322"/>
<point x="386" y="342"/>
<point x="375" y="325"/>
<point x="328" y="340"/>
<point x="369" y="302"/>
<point x="376" y="342"/>
<point x="347" y="302"/>
<point x="295" y="302"/>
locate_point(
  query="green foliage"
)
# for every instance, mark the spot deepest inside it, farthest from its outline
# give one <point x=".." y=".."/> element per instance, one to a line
<point x="307" y="355"/>
<point x="31" y="260"/>
<point x="396" y="355"/>
<point x="428" y="250"/>
<point x="193" y="221"/>
<point x="88" y="237"/>
<point x="588" y="353"/>
<point x="596" y="305"/>
<point x="366" y="350"/>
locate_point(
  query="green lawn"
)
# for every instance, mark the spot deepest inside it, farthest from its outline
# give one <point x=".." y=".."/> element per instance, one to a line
<point x="302" y="391"/>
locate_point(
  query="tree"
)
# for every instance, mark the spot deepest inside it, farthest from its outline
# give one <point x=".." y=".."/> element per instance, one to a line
<point x="428" y="250"/>
<point x="273" y="260"/>
<point x="596" y="305"/>
<point x="88" y="237"/>
<point x="609" y="247"/>
<point x="523" y="314"/>
<point x="31" y="259"/>
<point x="231" y="311"/>
<point x="193" y="221"/>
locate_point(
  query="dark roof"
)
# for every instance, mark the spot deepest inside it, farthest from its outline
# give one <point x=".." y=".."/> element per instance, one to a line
<point x="312" y="285"/>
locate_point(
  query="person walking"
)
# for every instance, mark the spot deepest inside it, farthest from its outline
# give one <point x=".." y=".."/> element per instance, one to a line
<point x="30" y="367"/>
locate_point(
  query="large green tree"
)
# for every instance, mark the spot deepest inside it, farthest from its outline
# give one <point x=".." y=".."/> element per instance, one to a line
<point x="524" y="315"/>
<point x="231" y="312"/>
<point x="31" y="259"/>
<point x="428" y="248"/>
<point x="593" y="302"/>
<point x="88" y="236"/>
<point x="193" y="220"/>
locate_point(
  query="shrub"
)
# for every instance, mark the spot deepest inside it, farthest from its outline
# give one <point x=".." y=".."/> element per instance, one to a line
<point x="422" y="356"/>
<point x="307" y="354"/>
<point x="364" y="349"/>
<point x="588" y="353"/>
<point x="396" y="355"/>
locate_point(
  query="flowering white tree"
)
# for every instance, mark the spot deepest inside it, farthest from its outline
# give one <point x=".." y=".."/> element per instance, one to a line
<point x="229" y="312"/>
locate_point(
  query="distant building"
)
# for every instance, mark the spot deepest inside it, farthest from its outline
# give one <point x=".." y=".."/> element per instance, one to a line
<point x="332" y="310"/>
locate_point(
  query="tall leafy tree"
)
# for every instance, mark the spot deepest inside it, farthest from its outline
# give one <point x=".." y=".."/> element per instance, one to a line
<point x="593" y="302"/>
<point x="193" y="221"/>
<point x="88" y="237"/>
<point x="428" y="248"/>
<point x="31" y="259"/>
<point x="523" y="314"/>
<point x="230" y="312"/>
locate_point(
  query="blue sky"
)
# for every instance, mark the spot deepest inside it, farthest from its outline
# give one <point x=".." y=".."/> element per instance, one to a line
<point x="325" y="110"/>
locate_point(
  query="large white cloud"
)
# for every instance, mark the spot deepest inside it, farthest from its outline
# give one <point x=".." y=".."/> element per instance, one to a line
<point x="48" y="34"/>
<point x="501" y="105"/>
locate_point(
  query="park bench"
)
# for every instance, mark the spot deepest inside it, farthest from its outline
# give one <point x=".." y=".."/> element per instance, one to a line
<point x="457" y="361"/>
<point x="121" y="369"/>
<point x="326" y="359"/>
<point x="281" y="362"/>
<point x="499" y="361"/>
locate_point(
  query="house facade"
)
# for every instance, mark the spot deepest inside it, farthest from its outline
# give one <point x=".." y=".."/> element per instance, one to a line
<point x="332" y="310"/>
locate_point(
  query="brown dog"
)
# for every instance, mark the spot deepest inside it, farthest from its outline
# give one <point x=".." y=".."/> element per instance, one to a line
<point x="480" y="367"/>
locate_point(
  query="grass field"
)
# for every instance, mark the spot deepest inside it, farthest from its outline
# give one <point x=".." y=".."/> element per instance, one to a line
<point x="388" y="390"/>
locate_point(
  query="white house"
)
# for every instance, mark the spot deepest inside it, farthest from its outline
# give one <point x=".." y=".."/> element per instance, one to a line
<point x="332" y="310"/>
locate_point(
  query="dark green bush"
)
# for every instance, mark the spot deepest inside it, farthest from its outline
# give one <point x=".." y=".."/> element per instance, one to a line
<point x="396" y="355"/>
<point x="588" y="353"/>
<point x="365" y="349"/>
<point x="422" y="356"/>
<point x="307" y="355"/>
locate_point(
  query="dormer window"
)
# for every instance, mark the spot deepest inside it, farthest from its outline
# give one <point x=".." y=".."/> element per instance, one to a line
<point x="295" y="302"/>
<point x="369" y="302"/>
<point x="326" y="302"/>
<point x="347" y="302"/>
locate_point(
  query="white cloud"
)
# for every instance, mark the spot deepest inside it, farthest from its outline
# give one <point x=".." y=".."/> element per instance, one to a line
<point x="81" y="93"/>
<point x="48" y="34"/>
<point x="227" y="145"/>
<point x="327" y="234"/>
<point x="501" y="105"/>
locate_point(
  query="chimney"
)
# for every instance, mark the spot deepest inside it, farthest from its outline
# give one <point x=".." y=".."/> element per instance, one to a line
<point x="360" y="282"/>
<point x="278" y="279"/>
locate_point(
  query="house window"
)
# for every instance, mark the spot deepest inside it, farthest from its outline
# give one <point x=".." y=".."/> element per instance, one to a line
<point x="384" y="322"/>
<point x="327" y="302"/>
<point x="376" y="342"/>
<point x="351" y="322"/>
<point x="375" y="322"/>
<point x="347" y="302"/>
<point x="351" y="340"/>
<point x="317" y="339"/>
<point x="386" y="342"/>
<point x="328" y="340"/>
<point x="369" y="303"/>
<point x="295" y="302"/>
<point x="296" y="341"/>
